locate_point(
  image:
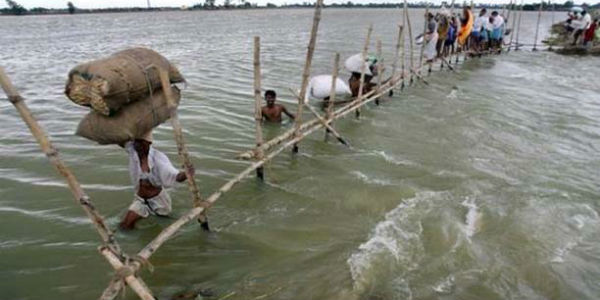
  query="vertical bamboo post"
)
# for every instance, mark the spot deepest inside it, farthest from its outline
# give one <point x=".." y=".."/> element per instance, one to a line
<point x="410" y="42"/>
<point x="363" y="69"/>
<point x="514" y="23"/>
<point x="552" y="24"/>
<point x="258" y="107"/>
<point x="306" y="72"/>
<point x="403" y="39"/>
<point x="424" y="42"/>
<point x="397" y="57"/>
<point x="519" y="26"/>
<point x="379" y="67"/>
<point x="181" y="147"/>
<point x="334" y="76"/>
<point x="53" y="156"/>
<point x="537" y="27"/>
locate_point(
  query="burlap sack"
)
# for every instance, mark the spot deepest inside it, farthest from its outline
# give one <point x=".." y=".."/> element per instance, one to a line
<point x="110" y="83"/>
<point x="129" y="122"/>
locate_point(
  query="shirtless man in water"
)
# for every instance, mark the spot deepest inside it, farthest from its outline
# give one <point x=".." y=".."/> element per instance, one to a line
<point x="272" y="112"/>
<point x="151" y="172"/>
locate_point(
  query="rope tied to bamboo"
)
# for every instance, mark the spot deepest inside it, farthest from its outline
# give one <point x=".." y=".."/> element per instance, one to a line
<point x="15" y="98"/>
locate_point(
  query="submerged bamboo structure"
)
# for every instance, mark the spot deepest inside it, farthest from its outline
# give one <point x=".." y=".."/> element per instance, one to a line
<point x="537" y="27"/>
<point x="258" y="106"/>
<point x="127" y="266"/>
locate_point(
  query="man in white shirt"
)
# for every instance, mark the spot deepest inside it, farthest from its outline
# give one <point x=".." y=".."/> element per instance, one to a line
<point x="581" y="25"/>
<point x="497" y="27"/>
<point x="151" y="172"/>
<point x="479" y="26"/>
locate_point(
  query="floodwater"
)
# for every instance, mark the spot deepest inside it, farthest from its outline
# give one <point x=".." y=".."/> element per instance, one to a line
<point x="482" y="185"/>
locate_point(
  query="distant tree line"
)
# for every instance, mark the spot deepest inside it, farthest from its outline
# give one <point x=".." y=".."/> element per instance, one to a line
<point x="14" y="8"/>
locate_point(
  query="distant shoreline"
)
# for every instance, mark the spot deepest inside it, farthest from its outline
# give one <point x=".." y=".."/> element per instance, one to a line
<point x="38" y="11"/>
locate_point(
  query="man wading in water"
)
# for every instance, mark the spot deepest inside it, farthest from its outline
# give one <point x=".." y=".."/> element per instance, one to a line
<point x="151" y="172"/>
<point x="272" y="112"/>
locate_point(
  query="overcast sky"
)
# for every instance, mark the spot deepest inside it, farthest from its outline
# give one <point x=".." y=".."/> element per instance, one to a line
<point x="177" y="3"/>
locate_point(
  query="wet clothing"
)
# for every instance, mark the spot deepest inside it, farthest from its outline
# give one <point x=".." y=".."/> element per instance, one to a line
<point x="159" y="205"/>
<point x="161" y="174"/>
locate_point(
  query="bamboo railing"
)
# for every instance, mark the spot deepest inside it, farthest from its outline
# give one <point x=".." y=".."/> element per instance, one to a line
<point x="126" y="266"/>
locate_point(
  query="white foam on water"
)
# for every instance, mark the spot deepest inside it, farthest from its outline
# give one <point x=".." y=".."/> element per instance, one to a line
<point x="446" y="286"/>
<point x="370" y="180"/>
<point x="394" y="244"/>
<point x="46" y="215"/>
<point x="472" y="218"/>
<point x="392" y="159"/>
<point x="453" y="94"/>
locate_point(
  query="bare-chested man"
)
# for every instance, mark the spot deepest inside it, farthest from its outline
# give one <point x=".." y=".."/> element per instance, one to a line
<point x="272" y="112"/>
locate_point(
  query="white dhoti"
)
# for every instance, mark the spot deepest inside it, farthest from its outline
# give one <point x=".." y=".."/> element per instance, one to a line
<point x="429" y="52"/>
<point x="159" y="205"/>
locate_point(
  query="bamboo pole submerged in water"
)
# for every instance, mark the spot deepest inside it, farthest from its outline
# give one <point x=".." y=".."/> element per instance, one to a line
<point x="307" y="65"/>
<point x="181" y="147"/>
<point x="257" y="106"/>
<point x="424" y="41"/>
<point x="410" y="40"/>
<point x="537" y="27"/>
<point x="514" y="22"/>
<point x="379" y="67"/>
<point x="519" y="26"/>
<point x="363" y="67"/>
<point x="334" y="76"/>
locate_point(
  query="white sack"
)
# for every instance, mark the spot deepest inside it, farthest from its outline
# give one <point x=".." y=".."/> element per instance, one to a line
<point x="320" y="86"/>
<point x="353" y="64"/>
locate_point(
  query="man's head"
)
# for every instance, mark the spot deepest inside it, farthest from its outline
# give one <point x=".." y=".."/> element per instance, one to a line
<point x="494" y="14"/>
<point x="430" y="16"/>
<point x="270" y="97"/>
<point x="141" y="146"/>
<point x="483" y="12"/>
<point x="142" y="143"/>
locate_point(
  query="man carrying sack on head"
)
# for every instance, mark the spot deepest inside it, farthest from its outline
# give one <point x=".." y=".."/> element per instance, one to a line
<point x="151" y="173"/>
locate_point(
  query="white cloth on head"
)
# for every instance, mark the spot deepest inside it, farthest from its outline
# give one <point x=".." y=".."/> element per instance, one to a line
<point x="162" y="173"/>
<point x="430" y="51"/>
<point x="159" y="205"/>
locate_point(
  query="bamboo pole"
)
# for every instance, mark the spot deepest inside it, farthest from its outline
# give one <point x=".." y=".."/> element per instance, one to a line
<point x="519" y="26"/>
<point x="53" y="156"/>
<point x="552" y="24"/>
<point x="258" y="106"/>
<point x="363" y="67"/>
<point x="136" y="284"/>
<point x="182" y="150"/>
<point x="537" y="27"/>
<point x="397" y="54"/>
<point x="514" y="22"/>
<point x="334" y="76"/>
<point x="307" y="65"/>
<point x="379" y="67"/>
<point x="424" y="32"/>
<point x="410" y="40"/>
